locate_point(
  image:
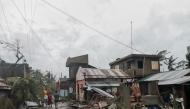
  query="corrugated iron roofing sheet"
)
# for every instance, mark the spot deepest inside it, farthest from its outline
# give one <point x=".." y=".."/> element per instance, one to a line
<point x="102" y="83"/>
<point x="103" y="93"/>
<point x="175" y="81"/>
<point x="103" y="73"/>
<point x="166" y="75"/>
<point x="3" y="85"/>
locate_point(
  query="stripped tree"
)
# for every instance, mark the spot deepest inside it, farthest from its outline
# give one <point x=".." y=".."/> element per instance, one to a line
<point x="15" y="48"/>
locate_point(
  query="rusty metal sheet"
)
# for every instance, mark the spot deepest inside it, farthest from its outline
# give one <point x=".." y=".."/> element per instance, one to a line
<point x="103" y="73"/>
<point x="166" y="75"/>
<point x="103" y="93"/>
<point x="102" y="83"/>
<point x="175" y="81"/>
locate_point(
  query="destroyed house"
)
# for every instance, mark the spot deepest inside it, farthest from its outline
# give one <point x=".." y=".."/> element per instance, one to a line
<point x="137" y="65"/>
<point x="19" y="71"/>
<point x="74" y="63"/>
<point x="161" y="85"/>
<point x="63" y="86"/>
<point x="4" y="89"/>
<point x="105" y="79"/>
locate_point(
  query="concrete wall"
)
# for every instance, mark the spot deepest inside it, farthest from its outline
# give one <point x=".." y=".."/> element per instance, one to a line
<point x="74" y="68"/>
<point x="79" y="91"/>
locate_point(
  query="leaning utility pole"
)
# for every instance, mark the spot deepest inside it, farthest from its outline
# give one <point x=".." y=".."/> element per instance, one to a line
<point x="131" y="39"/>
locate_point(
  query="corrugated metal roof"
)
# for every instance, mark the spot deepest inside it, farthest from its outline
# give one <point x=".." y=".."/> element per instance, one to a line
<point x="175" y="81"/>
<point x="3" y="85"/>
<point x="100" y="73"/>
<point x="64" y="79"/>
<point x="102" y="83"/>
<point x="103" y="93"/>
<point x="166" y="75"/>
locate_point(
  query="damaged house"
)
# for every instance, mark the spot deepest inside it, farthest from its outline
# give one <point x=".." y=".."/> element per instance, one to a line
<point x="20" y="70"/>
<point x="106" y="79"/>
<point x="174" y="84"/>
<point x="74" y="63"/>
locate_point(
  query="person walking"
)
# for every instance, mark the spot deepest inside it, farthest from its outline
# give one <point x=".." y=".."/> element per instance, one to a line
<point x="50" y="99"/>
<point x="56" y="98"/>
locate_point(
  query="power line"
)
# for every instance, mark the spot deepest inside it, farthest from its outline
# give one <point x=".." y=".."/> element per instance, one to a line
<point x="79" y="21"/>
<point x="6" y="21"/>
<point x="145" y="42"/>
<point x="27" y="33"/>
<point x="6" y="39"/>
<point x="4" y="32"/>
<point x="38" y="38"/>
<point x="32" y="27"/>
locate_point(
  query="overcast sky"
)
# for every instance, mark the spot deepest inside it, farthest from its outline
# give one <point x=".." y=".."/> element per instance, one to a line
<point x="157" y="25"/>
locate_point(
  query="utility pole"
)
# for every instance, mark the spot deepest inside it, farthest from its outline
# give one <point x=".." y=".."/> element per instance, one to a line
<point x="131" y="39"/>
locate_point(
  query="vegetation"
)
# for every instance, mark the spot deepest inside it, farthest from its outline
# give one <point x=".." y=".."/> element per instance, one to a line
<point x="188" y="59"/>
<point x="31" y="87"/>
<point x="171" y="61"/>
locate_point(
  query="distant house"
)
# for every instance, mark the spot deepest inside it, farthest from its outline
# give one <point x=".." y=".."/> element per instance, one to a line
<point x="74" y="63"/>
<point x="105" y="79"/>
<point x="137" y="65"/>
<point x="63" y="86"/>
<point x="161" y="85"/>
<point x="20" y="71"/>
<point x="4" y="89"/>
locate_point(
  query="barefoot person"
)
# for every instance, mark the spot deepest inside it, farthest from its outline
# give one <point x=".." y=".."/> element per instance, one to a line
<point x="56" y="97"/>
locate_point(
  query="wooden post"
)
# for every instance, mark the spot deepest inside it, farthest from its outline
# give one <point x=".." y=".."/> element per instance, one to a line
<point x="143" y="65"/>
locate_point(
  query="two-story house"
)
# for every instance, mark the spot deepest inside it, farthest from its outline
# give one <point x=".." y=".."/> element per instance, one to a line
<point x="74" y="63"/>
<point x="137" y="65"/>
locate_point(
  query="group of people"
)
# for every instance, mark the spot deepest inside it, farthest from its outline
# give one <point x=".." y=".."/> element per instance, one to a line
<point x="49" y="98"/>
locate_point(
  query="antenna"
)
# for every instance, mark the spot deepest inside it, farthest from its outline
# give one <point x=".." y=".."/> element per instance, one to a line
<point x="131" y="39"/>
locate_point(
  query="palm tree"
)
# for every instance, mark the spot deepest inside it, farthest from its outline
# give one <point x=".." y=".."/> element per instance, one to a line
<point x="170" y="62"/>
<point x="162" y="55"/>
<point x="188" y="59"/>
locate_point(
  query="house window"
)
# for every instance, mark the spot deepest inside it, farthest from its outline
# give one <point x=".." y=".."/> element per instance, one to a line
<point x="81" y="87"/>
<point x="123" y="66"/>
<point x="144" y="88"/>
<point x="116" y="66"/>
<point x="154" y="65"/>
<point x="128" y="65"/>
<point x="140" y="64"/>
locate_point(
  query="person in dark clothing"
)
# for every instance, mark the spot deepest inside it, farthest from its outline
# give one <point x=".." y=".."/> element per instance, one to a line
<point x="56" y="97"/>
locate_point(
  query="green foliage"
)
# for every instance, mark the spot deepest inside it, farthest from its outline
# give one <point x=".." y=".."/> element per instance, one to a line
<point x="170" y="62"/>
<point x="162" y="54"/>
<point x="188" y="59"/>
<point x="2" y="104"/>
<point x="176" y="105"/>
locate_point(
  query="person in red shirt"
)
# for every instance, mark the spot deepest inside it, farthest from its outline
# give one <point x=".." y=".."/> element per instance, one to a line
<point x="50" y="99"/>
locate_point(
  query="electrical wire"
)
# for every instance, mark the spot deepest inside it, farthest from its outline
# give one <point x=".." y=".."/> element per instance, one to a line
<point x="6" y="39"/>
<point x="145" y="41"/>
<point x="6" y="21"/>
<point x="33" y="61"/>
<point x="39" y="40"/>
<point x="79" y="21"/>
<point x="4" y="32"/>
<point x="27" y="33"/>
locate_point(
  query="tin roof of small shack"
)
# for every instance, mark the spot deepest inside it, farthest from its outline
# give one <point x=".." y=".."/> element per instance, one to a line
<point x="175" y="81"/>
<point x="165" y="75"/>
<point x="100" y="73"/>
